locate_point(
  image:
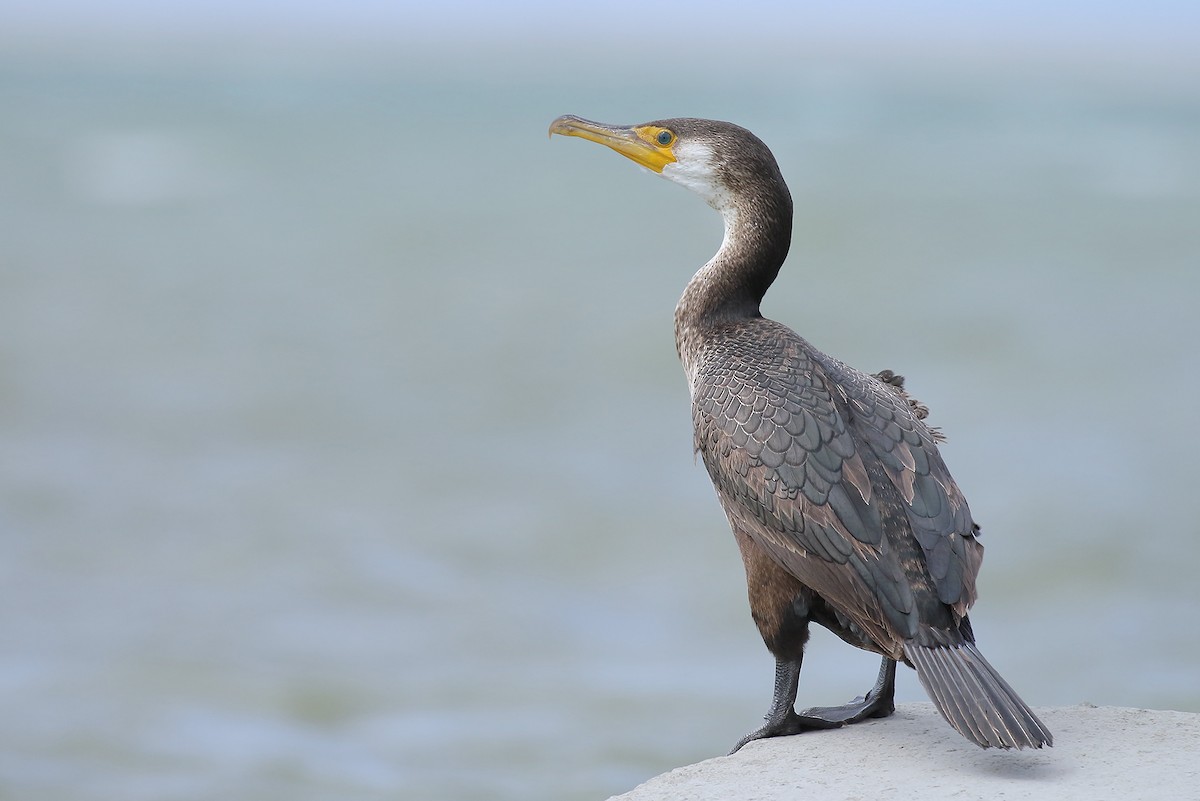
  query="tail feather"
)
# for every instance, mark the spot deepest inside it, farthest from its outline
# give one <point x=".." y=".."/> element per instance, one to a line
<point x="974" y="698"/>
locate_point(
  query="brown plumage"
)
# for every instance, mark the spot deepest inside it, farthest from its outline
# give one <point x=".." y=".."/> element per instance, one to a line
<point x="841" y="505"/>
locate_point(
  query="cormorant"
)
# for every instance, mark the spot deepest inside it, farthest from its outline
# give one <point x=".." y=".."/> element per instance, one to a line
<point x="841" y="505"/>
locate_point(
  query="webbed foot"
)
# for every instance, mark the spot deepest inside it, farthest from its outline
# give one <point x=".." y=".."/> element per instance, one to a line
<point x="789" y="723"/>
<point x="782" y="720"/>
<point x="879" y="702"/>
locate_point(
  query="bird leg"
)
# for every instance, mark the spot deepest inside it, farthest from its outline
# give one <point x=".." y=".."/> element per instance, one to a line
<point x="783" y="720"/>
<point x="781" y="717"/>
<point x="879" y="701"/>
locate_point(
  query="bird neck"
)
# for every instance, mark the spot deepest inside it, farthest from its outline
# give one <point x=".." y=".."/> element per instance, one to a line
<point x="731" y="286"/>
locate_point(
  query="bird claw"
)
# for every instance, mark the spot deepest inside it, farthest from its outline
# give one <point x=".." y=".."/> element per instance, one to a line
<point x="789" y="724"/>
<point x="823" y="717"/>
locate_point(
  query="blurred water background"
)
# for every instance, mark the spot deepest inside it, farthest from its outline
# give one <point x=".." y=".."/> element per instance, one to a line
<point x="343" y="448"/>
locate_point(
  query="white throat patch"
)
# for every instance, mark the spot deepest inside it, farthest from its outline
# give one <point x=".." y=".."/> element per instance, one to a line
<point x="694" y="169"/>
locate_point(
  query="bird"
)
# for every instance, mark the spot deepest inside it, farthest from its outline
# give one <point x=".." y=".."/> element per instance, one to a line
<point x="841" y="505"/>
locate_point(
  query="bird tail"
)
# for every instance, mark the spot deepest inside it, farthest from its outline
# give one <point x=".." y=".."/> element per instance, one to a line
<point x="974" y="698"/>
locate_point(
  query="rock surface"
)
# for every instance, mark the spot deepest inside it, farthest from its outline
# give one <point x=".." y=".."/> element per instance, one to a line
<point x="1098" y="753"/>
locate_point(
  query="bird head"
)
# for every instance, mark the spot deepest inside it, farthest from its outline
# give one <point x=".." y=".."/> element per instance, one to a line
<point x="717" y="160"/>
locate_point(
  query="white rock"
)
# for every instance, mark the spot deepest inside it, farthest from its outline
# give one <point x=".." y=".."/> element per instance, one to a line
<point x="1099" y="753"/>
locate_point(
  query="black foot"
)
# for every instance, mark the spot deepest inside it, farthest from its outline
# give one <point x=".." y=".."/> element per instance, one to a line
<point x="873" y="706"/>
<point x="879" y="701"/>
<point x="782" y="720"/>
<point x="787" y="724"/>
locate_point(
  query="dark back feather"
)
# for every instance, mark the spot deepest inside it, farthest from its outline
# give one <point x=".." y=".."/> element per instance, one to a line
<point x="832" y="473"/>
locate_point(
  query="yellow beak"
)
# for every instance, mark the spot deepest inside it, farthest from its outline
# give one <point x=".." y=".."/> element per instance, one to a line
<point x="637" y="142"/>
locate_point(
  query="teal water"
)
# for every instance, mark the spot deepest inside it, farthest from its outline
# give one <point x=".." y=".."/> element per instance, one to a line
<point x="344" y="452"/>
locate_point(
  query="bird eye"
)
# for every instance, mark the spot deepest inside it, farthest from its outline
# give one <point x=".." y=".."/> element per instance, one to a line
<point x="665" y="137"/>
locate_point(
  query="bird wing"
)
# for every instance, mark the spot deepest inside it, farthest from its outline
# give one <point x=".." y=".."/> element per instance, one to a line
<point x="785" y="443"/>
<point x="937" y="511"/>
